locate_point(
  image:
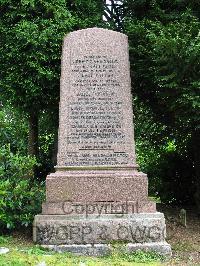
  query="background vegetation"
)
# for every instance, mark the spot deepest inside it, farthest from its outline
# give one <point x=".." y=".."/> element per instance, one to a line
<point x="164" y="41"/>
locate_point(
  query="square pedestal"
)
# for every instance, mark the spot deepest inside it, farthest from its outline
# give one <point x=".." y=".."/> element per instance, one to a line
<point x="96" y="235"/>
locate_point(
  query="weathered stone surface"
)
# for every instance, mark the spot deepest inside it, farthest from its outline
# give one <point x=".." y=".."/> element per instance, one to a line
<point x="96" y="170"/>
<point x="96" y="151"/>
<point x="96" y="118"/>
<point x="96" y="185"/>
<point x="133" y="228"/>
<point x="88" y="249"/>
<point x="92" y="236"/>
<point x="85" y="209"/>
<point x="161" y="248"/>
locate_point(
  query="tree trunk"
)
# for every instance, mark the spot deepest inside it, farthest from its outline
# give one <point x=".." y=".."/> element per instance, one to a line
<point x="33" y="135"/>
<point x="196" y="154"/>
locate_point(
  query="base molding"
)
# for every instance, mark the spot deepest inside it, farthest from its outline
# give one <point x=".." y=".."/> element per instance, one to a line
<point x="162" y="248"/>
<point x="97" y="235"/>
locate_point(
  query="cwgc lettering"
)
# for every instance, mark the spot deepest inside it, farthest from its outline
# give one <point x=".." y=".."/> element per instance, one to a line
<point x="82" y="234"/>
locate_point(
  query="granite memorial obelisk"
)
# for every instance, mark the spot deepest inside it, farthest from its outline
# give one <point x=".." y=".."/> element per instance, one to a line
<point x="97" y="195"/>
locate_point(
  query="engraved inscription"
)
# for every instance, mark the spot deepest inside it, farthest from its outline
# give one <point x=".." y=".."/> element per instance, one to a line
<point x="95" y="113"/>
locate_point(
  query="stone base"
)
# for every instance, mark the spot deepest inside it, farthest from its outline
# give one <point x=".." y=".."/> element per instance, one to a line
<point x="96" y="236"/>
<point x="161" y="248"/>
<point x="96" y="185"/>
<point x="98" y="208"/>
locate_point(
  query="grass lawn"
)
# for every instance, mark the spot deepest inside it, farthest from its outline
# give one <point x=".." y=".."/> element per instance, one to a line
<point x="23" y="253"/>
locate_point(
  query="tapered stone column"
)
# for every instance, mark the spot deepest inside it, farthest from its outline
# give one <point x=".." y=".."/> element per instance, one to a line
<point x="97" y="196"/>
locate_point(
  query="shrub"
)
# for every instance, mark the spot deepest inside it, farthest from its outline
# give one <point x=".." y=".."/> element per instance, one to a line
<point x="20" y="195"/>
<point x="15" y="166"/>
<point x="19" y="202"/>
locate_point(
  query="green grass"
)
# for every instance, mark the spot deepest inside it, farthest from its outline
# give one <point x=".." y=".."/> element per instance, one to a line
<point x="23" y="254"/>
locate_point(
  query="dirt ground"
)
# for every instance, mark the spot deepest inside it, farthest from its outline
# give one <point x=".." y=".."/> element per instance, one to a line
<point x="185" y="241"/>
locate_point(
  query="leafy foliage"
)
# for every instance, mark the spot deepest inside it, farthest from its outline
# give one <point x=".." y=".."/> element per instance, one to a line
<point x="164" y="53"/>
<point x="20" y="201"/>
<point x="164" y="57"/>
<point x="166" y="69"/>
<point x="31" y="36"/>
<point x="15" y="166"/>
<point x="13" y="129"/>
<point x="171" y="174"/>
<point x="20" y="196"/>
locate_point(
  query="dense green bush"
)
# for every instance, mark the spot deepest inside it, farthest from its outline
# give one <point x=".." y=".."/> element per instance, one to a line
<point x="19" y="202"/>
<point x="13" y="129"/>
<point x="164" y="158"/>
<point x="20" y="195"/>
<point x="15" y="166"/>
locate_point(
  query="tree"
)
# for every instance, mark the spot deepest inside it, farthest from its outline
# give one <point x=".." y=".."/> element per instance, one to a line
<point x="114" y="14"/>
<point x="165" y="69"/>
<point x="31" y="36"/>
<point x="10" y="132"/>
<point x="164" y="55"/>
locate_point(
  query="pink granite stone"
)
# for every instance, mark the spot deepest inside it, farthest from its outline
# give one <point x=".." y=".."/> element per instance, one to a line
<point x="98" y="208"/>
<point x="97" y="184"/>
<point x="96" y="118"/>
<point x="96" y="150"/>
